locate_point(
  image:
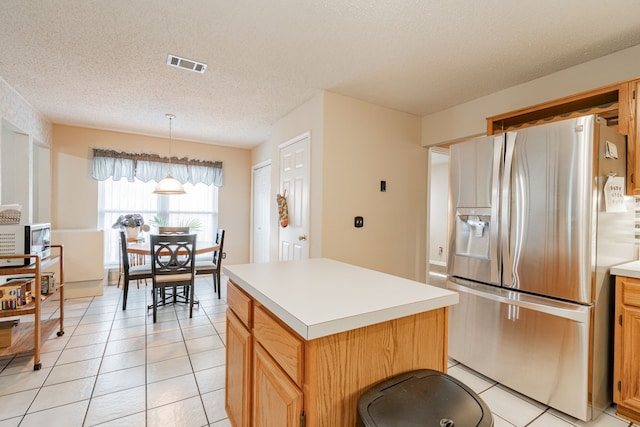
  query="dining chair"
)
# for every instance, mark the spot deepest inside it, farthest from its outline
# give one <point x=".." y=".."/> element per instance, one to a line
<point x="213" y="265"/>
<point x="165" y="229"/>
<point x="172" y="264"/>
<point x="130" y="272"/>
<point x="173" y="230"/>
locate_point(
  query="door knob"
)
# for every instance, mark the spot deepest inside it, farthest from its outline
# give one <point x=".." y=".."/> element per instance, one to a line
<point x="303" y="237"/>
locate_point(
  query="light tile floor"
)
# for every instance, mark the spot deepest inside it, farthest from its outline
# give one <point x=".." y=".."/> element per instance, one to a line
<point x="513" y="409"/>
<point x="118" y="368"/>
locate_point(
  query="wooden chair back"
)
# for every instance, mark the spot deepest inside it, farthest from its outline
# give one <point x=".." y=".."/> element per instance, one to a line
<point x="172" y="254"/>
<point x="173" y="230"/>
<point x="219" y="255"/>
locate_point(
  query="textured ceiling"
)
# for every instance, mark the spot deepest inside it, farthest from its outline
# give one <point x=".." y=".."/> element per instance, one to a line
<point x="102" y="63"/>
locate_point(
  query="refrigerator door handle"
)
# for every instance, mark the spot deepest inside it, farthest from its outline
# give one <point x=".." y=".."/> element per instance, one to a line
<point x="575" y="312"/>
<point x="494" y="255"/>
<point x="505" y="213"/>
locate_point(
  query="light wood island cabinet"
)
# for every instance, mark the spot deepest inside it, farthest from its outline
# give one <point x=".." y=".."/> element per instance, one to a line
<point x="302" y="349"/>
<point x="626" y="353"/>
<point x="237" y="381"/>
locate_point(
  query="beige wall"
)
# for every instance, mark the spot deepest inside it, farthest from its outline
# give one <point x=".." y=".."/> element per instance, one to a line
<point x="354" y="146"/>
<point x="469" y="119"/>
<point x="75" y="193"/>
<point x="363" y="145"/>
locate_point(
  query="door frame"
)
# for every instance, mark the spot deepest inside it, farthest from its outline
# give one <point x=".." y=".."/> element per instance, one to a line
<point x="443" y="150"/>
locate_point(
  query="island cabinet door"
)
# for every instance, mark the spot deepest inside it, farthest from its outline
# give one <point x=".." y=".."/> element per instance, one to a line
<point x="627" y="348"/>
<point x="629" y="404"/>
<point x="277" y="401"/>
<point x="238" y="375"/>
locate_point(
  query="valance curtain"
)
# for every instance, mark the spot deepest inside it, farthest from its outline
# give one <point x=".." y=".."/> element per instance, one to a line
<point x="151" y="167"/>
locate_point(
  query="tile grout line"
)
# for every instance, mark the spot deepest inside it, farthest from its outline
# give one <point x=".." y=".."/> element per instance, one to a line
<point x="189" y="354"/>
<point x="104" y="351"/>
<point x="146" y="359"/>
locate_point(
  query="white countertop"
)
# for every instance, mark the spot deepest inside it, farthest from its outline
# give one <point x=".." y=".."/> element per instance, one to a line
<point x="320" y="297"/>
<point x="629" y="269"/>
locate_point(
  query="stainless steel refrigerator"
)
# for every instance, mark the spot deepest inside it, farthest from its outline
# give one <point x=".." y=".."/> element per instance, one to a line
<point x="531" y="241"/>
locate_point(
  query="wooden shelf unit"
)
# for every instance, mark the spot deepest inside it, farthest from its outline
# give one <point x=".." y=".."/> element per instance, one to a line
<point x="605" y="101"/>
<point x="30" y="336"/>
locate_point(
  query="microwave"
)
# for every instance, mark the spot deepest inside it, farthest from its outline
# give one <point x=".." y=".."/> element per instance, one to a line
<point x="24" y="239"/>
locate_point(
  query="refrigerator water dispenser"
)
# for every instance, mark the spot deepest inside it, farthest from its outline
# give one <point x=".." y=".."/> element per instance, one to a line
<point x="473" y="228"/>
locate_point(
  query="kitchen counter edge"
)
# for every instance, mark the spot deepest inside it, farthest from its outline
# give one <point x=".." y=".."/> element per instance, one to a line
<point x="444" y="298"/>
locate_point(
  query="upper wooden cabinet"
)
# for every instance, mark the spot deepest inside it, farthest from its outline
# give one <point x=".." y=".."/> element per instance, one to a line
<point x="617" y="103"/>
<point x="633" y="138"/>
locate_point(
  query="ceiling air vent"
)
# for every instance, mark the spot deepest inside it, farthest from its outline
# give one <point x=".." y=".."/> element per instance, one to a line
<point x="186" y="64"/>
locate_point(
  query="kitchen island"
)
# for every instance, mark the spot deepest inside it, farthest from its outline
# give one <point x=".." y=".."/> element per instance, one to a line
<point x="305" y="339"/>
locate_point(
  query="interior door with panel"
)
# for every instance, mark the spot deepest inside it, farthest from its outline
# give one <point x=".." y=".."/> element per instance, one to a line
<point x="261" y="209"/>
<point x="293" y="240"/>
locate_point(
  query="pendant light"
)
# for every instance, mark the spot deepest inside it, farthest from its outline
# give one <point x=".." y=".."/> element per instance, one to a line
<point x="169" y="185"/>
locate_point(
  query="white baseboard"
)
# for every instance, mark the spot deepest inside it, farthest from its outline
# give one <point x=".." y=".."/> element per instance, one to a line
<point x="91" y="288"/>
<point x="440" y="263"/>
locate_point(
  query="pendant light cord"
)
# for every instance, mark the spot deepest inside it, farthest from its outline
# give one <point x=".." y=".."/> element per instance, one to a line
<point x="170" y="117"/>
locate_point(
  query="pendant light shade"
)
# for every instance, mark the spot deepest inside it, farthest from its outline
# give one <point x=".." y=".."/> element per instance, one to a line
<point x="169" y="185"/>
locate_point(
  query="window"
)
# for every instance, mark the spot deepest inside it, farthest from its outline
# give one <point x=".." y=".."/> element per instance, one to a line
<point x="123" y="197"/>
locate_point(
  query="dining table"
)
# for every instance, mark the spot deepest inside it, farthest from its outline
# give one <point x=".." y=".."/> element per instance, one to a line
<point x="144" y="248"/>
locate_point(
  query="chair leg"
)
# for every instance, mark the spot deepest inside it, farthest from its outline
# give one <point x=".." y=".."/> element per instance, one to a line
<point x="217" y="275"/>
<point x="155" y="304"/>
<point x="191" y="292"/>
<point x="125" y="290"/>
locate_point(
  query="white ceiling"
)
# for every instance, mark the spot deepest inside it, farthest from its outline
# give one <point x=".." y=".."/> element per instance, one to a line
<point x="102" y="63"/>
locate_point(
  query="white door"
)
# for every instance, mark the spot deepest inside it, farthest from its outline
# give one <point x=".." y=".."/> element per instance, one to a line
<point x="294" y="180"/>
<point x="261" y="209"/>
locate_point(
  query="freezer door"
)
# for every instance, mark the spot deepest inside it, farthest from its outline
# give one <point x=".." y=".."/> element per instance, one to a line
<point x="535" y="346"/>
<point x="547" y="212"/>
<point x="474" y="172"/>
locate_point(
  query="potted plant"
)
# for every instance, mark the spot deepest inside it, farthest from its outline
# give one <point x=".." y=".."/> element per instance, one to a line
<point x="131" y="223"/>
